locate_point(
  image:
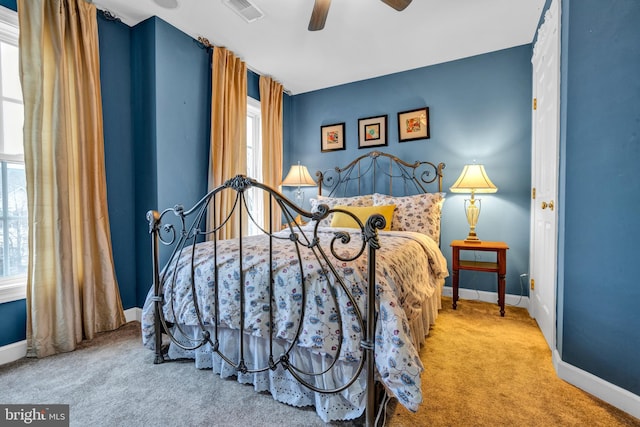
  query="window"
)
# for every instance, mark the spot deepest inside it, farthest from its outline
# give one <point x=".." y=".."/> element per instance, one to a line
<point x="14" y="244"/>
<point x="254" y="165"/>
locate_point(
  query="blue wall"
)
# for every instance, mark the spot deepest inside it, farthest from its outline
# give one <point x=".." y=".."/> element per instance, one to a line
<point x="14" y="322"/>
<point x="479" y="110"/>
<point x="183" y="104"/>
<point x="115" y="80"/>
<point x="599" y="319"/>
<point x="171" y="116"/>
<point x="143" y="74"/>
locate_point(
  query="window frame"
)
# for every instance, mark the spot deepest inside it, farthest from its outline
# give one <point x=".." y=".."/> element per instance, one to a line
<point x="12" y="288"/>
<point x="254" y="113"/>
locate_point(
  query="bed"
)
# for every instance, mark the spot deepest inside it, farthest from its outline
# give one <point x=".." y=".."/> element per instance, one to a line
<point x="288" y="310"/>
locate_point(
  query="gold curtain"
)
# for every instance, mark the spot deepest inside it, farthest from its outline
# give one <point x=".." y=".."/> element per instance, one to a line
<point x="72" y="292"/>
<point x="271" y="112"/>
<point x="228" y="132"/>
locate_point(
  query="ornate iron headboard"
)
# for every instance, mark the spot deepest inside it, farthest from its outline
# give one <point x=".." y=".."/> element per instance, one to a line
<point x="363" y="175"/>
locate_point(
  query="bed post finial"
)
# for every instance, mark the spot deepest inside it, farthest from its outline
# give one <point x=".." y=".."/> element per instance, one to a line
<point x="320" y="179"/>
<point x="153" y="217"/>
<point x="441" y="167"/>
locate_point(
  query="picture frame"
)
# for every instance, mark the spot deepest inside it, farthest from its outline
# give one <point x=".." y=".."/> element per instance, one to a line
<point x="332" y="137"/>
<point x="413" y="124"/>
<point x="372" y="131"/>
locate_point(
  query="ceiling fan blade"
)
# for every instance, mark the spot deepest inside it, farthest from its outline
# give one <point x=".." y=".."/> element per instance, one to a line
<point x="397" y="4"/>
<point x="319" y="14"/>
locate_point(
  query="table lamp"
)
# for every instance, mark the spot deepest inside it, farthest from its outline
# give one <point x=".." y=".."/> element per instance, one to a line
<point x="473" y="179"/>
<point x="298" y="176"/>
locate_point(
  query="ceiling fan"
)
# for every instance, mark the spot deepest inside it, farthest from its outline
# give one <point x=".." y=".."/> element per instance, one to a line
<point x="321" y="9"/>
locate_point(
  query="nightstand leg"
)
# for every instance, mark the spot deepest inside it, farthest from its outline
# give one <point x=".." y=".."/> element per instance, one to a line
<point x="502" y="273"/>
<point x="501" y="292"/>
<point x="455" y="289"/>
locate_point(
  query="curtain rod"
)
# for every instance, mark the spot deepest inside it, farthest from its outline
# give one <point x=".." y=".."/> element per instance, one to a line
<point x="208" y="45"/>
<point x="107" y="14"/>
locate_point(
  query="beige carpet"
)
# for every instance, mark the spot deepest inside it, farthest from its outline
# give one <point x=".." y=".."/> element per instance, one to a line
<point x="481" y="370"/>
<point x="487" y="370"/>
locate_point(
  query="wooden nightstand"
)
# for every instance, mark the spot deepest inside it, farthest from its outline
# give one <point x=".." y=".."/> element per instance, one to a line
<point x="500" y="266"/>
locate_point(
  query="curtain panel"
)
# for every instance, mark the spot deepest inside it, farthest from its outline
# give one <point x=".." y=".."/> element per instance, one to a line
<point x="228" y="156"/>
<point x="72" y="292"/>
<point x="271" y="93"/>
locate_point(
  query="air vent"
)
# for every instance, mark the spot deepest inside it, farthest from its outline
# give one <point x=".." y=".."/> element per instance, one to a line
<point x="245" y="8"/>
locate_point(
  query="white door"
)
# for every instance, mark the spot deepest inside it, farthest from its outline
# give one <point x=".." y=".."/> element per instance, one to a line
<point x="544" y="170"/>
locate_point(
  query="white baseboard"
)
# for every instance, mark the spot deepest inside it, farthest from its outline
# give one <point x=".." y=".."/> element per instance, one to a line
<point x="492" y="297"/>
<point x="132" y="314"/>
<point x="610" y="393"/>
<point x="13" y="352"/>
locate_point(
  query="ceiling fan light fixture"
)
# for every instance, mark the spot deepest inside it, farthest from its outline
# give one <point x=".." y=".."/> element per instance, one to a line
<point x="247" y="10"/>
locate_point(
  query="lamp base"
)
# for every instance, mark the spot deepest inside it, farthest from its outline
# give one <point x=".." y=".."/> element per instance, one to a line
<point x="473" y="212"/>
<point x="472" y="238"/>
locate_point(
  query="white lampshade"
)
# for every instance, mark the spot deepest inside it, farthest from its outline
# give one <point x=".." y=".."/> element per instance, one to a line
<point x="473" y="179"/>
<point x="298" y="176"/>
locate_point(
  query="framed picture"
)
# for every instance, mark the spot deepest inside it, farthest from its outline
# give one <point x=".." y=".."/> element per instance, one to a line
<point x="372" y="131"/>
<point x="413" y="124"/>
<point x="332" y="137"/>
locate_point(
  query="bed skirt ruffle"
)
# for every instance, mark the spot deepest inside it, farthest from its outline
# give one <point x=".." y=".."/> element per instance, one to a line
<point x="347" y="405"/>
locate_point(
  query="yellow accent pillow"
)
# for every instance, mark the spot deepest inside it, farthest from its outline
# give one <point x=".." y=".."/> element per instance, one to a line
<point x="362" y="213"/>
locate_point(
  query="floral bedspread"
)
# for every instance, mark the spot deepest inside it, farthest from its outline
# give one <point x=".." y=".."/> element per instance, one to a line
<point x="409" y="267"/>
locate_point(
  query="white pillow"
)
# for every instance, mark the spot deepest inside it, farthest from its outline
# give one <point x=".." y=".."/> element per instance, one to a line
<point x="419" y="213"/>
<point x="366" y="200"/>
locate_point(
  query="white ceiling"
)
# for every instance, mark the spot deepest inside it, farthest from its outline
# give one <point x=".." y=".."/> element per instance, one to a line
<point x="362" y="39"/>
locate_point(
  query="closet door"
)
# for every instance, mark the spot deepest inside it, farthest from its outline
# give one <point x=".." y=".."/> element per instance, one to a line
<point x="545" y="167"/>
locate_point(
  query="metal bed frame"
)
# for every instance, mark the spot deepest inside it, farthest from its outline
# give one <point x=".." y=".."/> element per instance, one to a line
<point x="369" y="167"/>
<point x="182" y="229"/>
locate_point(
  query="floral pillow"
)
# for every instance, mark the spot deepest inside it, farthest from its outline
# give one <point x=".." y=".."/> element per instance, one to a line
<point x="361" y="201"/>
<point x="419" y="213"/>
